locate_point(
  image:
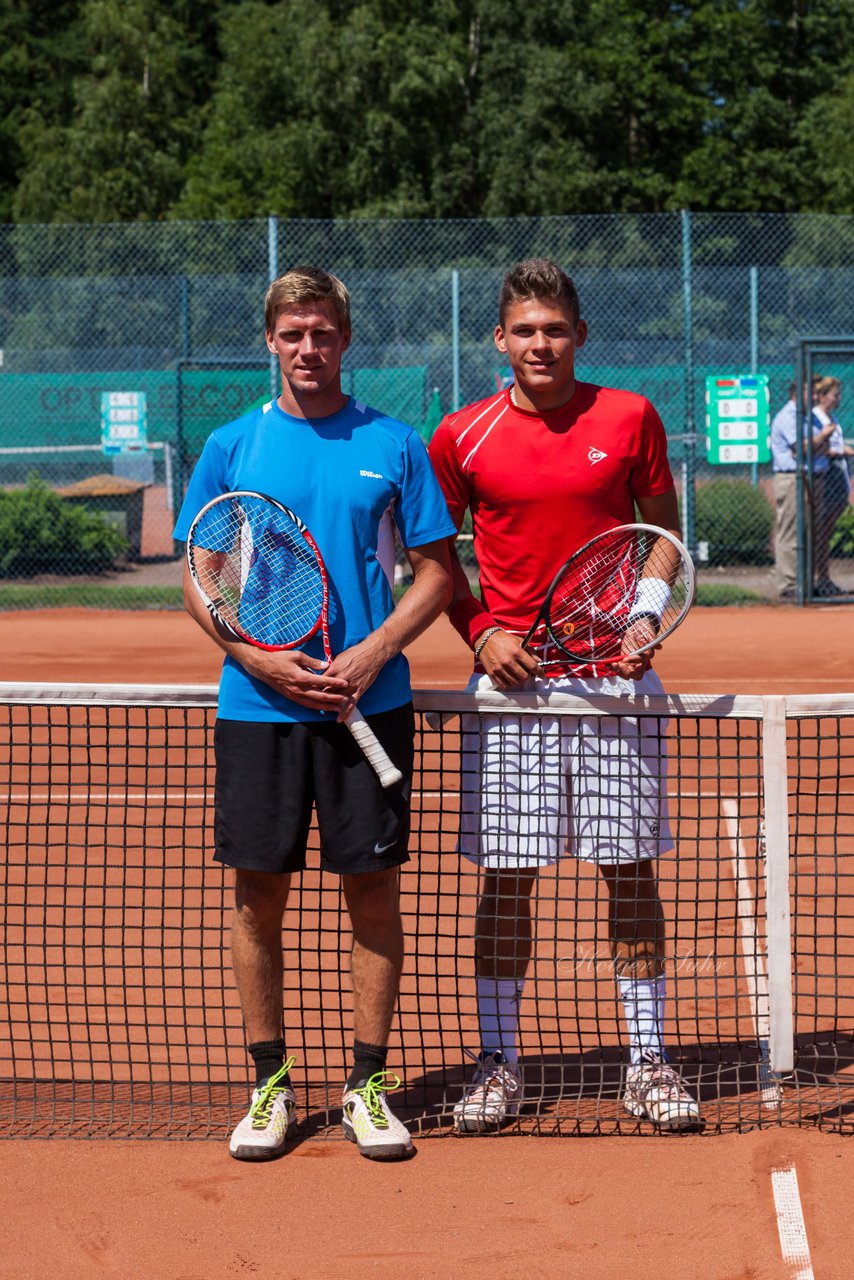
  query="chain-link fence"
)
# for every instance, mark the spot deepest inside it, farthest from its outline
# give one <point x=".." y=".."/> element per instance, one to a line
<point x="167" y="318"/>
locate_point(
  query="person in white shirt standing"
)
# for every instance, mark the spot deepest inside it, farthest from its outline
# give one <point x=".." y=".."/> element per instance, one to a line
<point x="784" y="451"/>
<point x="835" y="483"/>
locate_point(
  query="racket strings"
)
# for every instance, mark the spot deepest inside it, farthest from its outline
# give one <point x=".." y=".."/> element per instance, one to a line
<point x="258" y="570"/>
<point x="618" y="598"/>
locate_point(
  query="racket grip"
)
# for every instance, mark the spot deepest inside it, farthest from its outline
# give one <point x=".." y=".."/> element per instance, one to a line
<point x="375" y="753"/>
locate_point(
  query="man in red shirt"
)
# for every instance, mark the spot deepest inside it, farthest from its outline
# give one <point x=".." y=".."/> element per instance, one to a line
<point x="543" y="466"/>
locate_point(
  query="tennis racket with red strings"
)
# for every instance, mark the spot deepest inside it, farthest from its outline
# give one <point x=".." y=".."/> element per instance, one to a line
<point x="262" y="577"/>
<point x="618" y="596"/>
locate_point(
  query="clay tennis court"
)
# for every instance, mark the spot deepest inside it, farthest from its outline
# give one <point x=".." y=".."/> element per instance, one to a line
<point x="700" y="1206"/>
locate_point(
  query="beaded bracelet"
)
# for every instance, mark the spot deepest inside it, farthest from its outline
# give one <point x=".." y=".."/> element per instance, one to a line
<point x="482" y="639"/>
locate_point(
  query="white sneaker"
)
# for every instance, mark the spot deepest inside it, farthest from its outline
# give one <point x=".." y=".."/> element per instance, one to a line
<point x="494" y="1095"/>
<point x="655" y="1091"/>
<point x="371" y="1124"/>
<point x="263" y="1131"/>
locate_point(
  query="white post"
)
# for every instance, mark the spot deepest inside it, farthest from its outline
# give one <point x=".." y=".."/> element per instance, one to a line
<point x="775" y="779"/>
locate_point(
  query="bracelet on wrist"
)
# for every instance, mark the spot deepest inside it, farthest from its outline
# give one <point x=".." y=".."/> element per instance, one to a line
<point x="483" y="638"/>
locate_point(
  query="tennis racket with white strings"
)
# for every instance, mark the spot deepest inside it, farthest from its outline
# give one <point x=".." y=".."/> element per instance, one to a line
<point x="618" y="596"/>
<point x="262" y="577"/>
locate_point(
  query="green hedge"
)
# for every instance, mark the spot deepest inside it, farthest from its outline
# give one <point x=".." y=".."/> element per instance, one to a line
<point x="43" y="533"/>
<point x="842" y="542"/>
<point x="736" y="520"/>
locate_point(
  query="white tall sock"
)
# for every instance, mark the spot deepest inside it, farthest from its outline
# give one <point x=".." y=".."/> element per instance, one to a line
<point x="498" y="1015"/>
<point x="643" y="1005"/>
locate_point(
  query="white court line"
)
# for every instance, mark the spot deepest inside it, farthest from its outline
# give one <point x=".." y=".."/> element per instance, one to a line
<point x="753" y="959"/>
<point x="791" y="1227"/>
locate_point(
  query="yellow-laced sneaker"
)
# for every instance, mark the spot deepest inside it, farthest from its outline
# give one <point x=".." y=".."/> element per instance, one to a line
<point x="263" y="1131"/>
<point x="369" y="1122"/>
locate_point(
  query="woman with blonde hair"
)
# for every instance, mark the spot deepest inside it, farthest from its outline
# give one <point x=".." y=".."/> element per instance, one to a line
<point x="836" y="483"/>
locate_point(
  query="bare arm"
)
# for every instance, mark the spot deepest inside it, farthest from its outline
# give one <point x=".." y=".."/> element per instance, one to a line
<point x="503" y="659"/>
<point x="429" y="594"/>
<point x="663" y="510"/>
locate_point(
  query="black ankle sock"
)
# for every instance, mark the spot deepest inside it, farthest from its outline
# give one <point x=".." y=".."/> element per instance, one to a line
<point x="368" y="1059"/>
<point x="268" y="1056"/>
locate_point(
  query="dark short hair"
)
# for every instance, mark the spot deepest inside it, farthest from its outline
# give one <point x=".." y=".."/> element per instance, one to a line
<point x="307" y="284"/>
<point x="538" y="278"/>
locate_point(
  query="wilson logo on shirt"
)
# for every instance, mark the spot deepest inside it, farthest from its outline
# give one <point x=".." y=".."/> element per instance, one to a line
<point x="595" y="455"/>
<point x="372" y="475"/>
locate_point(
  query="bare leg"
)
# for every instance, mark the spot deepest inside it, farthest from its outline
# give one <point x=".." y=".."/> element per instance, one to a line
<point x="256" y="950"/>
<point x="654" y="1090"/>
<point x="373" y="900"/>
<point x="503" y="929"/>
<point x="635" y="920"/>
<point x="503" y="942"/>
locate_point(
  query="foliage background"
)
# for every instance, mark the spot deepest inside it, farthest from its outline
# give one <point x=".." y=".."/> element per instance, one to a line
<point x="116" y="110"/>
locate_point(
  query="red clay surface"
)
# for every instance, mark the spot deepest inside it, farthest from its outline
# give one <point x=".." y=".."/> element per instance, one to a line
<point x="686" y="1209"/>
<point x="753" y="650"/>
<point x="693" y="1208"/>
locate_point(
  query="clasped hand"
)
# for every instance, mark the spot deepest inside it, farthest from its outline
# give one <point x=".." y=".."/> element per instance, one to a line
<point x="336" y="687"/>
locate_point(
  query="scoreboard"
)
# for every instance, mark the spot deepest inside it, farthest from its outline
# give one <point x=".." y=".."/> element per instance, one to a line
<point x="738" y="416"/>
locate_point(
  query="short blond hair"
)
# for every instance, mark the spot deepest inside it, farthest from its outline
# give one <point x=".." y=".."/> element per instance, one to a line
<point x="306" y="284"/>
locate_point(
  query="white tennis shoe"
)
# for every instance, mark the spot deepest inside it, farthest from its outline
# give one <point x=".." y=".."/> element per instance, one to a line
<point x="655" y="1091"/>
<point x="371" y="1124"/>
<point x="494" y="1095"/>
<point x="263" y="1132"/>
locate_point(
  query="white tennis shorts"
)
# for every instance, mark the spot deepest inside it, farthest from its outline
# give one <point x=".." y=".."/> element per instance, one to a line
<point x="537" y="787"/>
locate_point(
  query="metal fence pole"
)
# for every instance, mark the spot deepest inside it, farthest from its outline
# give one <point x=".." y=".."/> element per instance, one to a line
<point x="754" y="345"/>
<point x="176" y="474"/>
<point x="185" y="316"/>
<point x="802" y="413"/>
<point x="272" y="273"/>
<point x="689" y="514"/>
<point x="455" y="339"/>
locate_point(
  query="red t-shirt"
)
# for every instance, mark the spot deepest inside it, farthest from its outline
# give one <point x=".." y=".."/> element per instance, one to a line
<point x="540" y="484"/>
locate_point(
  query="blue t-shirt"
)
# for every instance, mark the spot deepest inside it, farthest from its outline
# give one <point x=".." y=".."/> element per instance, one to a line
<point x="349" y="477"/>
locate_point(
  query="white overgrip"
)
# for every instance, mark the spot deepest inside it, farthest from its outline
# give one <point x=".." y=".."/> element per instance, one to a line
<point x="375" y="753"/>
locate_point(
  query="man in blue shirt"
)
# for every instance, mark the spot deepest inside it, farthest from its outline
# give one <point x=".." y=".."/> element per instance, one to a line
<point x="784" y="451"/>
<point x="351" y="474"/>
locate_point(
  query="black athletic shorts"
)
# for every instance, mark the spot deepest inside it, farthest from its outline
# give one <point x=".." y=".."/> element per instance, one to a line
<point x="270" y="774"/>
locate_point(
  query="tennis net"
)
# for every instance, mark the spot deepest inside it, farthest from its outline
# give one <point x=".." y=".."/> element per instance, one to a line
<point x="118" y="1012"/>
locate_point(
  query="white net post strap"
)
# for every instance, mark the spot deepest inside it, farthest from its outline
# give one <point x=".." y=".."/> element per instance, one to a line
<point x="775" y="775"/>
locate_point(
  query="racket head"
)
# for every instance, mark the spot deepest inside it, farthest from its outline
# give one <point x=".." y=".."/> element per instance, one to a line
<point x="620" y="594"/>
<point x="258" y="570"/>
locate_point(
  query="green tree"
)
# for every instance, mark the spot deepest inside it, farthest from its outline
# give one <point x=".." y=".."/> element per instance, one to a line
<point x="355" y="113"/>
<point x="444" y="108"/>
<point x="826" y="134"/>
<point x="134" y="120"/>
<point x="41" y="50"/>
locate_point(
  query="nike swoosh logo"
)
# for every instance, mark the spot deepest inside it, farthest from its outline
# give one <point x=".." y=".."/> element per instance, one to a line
<point x="381" y="848"/>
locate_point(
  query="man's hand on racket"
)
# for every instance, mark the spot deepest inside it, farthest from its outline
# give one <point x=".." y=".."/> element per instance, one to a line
<point x="259" y="574"/>
<point x="636" y="665"/>
<point x="356" y="669"/>
<point x="297" y="676"/>
<point x="506" y="662"/>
